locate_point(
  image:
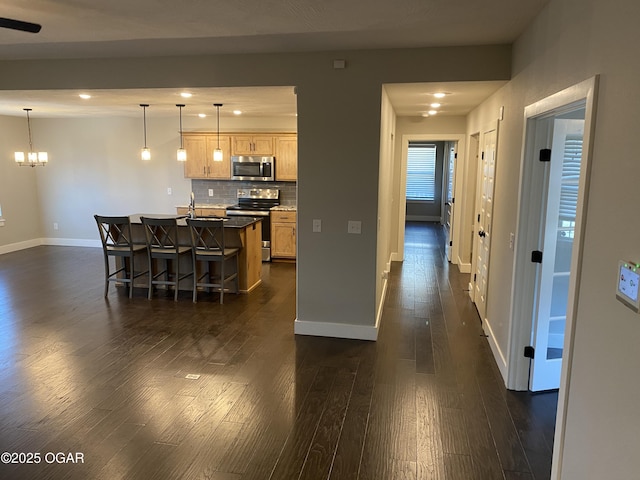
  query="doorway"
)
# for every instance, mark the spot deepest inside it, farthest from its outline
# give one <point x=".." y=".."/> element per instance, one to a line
<point x="458" y="185"/>
<point x="548" y="249"/>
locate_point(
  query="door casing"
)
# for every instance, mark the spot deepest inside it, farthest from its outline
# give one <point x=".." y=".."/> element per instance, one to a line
<point x="523" y="280"/>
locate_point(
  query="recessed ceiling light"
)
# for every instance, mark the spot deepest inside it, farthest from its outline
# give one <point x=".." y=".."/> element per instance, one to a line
<point x="237" y="112"/>
<point x="186" y="95"/>
<point x="432" y="112"/>
<point x="202" y="115"/>
<point x="439" y="95"/>
<point x="85" y="96"/>
<point x="435" y="105"/>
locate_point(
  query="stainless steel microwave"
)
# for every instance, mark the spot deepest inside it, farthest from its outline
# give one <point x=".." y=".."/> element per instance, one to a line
<point x="253" y="168"/>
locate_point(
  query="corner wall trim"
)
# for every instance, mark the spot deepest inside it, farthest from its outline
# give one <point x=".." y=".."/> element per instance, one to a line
<point x="336" y="330"/>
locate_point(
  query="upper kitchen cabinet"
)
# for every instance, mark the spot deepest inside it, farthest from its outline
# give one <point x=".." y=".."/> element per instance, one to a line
<point x="260" y="145"/>
<point x="287" y="158"/>
<point x="200" y="162"/>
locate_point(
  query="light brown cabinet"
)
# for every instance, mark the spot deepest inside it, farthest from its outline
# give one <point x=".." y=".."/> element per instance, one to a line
<point x="287" y="158"/>
<point x="200" y="162"/>
<point x="200" y="147"/>
<point x="260" y="145"/>
<point x="283" y="234"/>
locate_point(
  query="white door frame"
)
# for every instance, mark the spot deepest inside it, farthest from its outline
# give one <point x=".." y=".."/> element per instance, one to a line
<point x="456" y="228"/>
<point x="524" y="274"/>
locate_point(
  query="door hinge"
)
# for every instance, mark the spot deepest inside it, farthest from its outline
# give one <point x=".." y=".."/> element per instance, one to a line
<point x="482" y="156"/>
<point x="453" y="200"/>
<point x="545" y="155"/>
<point x="451" y="243"/>
<point x="474" y="276"/>
<point x="478" y="217"/>
<point x="455" y="156"/>
<point x="536" y="256"/>
<point x="529" y="352"/>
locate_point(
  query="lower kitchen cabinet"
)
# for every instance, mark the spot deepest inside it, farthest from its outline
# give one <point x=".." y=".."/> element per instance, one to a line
<point x="283" y="234"/>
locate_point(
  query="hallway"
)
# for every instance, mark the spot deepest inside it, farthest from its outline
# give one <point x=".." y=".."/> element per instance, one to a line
<point x="110" y="379"/>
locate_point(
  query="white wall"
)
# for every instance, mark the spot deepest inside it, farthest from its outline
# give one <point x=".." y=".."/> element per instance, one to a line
<point x="570" y="41"/>
<point x="386" y="228"/>
<point x="18" y="188"/>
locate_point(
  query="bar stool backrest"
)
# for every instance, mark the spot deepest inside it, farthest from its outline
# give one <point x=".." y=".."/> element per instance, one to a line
<point x="161" y="233"/>
<point x="206" y="235"/>
<point x="115" y="232"/>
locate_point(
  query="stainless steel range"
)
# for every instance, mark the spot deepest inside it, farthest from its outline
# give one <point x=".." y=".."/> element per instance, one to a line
<point x="257" y="202"/>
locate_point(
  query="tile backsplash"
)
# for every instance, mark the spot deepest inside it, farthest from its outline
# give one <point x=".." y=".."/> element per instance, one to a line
<point x="225" y="191"/>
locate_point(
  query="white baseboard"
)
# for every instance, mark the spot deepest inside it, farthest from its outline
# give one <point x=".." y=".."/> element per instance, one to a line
<point x="59" y="242"/>
<point x="495" y="348"/>
<point x="336" y="330"/>
<point x="71" y="242"/>
<point x="464" y="267"/>
<point x="14" y="247"/>
<point x="422" y="218"/>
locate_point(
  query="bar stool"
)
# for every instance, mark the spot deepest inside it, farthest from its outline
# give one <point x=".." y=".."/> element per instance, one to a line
<point x="163" y="247"/>
<point x="208" y="246"/>
<point x="115" y="235"/>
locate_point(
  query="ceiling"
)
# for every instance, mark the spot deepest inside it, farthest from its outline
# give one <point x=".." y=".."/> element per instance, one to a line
<point x="118" y="28"/>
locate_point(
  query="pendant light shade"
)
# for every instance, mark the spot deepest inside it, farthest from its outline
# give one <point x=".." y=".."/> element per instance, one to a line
<point x="217" y="153"/>
<point x="145" y="154"/>
<point x="33" y="159"/>
<point x="182" y="153"/>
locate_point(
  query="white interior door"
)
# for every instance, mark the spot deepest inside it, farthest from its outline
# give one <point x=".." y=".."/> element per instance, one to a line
<point x="484" y="221"/>
<point x="557" y="238"/>
<point x="448" y="189"/>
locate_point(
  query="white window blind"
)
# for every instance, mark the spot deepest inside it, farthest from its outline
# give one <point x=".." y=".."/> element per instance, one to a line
<point x="421" y="171"/>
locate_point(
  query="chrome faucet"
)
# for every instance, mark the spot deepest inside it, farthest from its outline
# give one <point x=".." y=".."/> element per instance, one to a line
<point x="192" y="206"/>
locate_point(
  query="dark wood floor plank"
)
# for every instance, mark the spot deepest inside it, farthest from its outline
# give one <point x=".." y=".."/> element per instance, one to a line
<point x="296" y="449"/>
<point x="323" y="446"/>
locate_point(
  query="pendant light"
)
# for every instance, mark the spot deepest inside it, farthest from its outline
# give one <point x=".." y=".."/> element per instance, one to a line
<point x="145" y="153"/>
<point x="217" y="153"/>
<point x="33" y="158"/>
<point x="182" y="153"/>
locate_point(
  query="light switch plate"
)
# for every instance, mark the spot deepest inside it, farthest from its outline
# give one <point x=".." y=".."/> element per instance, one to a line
<point x="354" y="226"/>
<point x="211" y="192"/>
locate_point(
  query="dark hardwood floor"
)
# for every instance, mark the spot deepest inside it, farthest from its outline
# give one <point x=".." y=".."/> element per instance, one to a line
<point x="109" y="380"/>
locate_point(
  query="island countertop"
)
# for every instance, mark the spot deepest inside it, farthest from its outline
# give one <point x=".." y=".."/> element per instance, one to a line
<point x="229" y="222"/>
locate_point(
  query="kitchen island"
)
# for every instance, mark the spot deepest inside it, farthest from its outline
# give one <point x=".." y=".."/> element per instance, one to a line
<point x="242" y="232"/>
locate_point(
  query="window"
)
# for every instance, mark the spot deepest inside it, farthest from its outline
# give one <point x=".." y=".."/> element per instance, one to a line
<point x="421" y="171"/>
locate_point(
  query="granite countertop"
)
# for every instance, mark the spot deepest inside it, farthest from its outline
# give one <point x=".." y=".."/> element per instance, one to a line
<point x="230" y="222"/>
<point x="285" y="208"/>
<point x="208" y="205"/>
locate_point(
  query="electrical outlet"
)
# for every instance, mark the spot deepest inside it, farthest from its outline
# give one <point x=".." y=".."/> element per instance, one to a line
<point x="354" y="226"/>
<point x="55" y="225"/>
<point x="211" y="192"/>
<point x="317" y="225"/>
